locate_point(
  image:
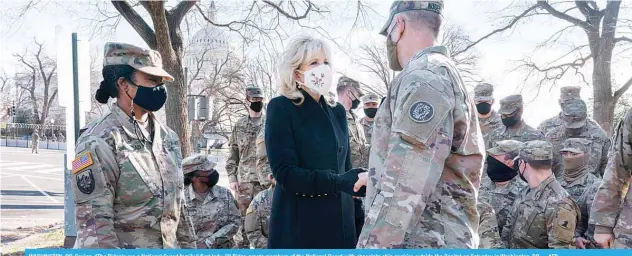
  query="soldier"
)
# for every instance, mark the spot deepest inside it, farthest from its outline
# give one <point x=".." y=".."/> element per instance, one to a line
<point x="612" y="207"/>
<point x="546" y="215"/>
<point x="127" y="175"/>
<point x="241" y="165"/>
<point x="514" y="127"/>
<point x="213" y="208"/>
<point x="61" y="137"/>
<point x="488" y="227"/>
<point x="371" y="104"/>
<point x="488" y="119"/>
<point x="574" y="125"/>
<point x="582" y="185"/>
<point x="566" y="93"/>
<point x="349" y="94"/>
<point x="53" y="137"/>
<point x="35" y="139"/>
<point x="427" y="144"/>
<point x="258" y="217"/>
<point x="507" y="186"/>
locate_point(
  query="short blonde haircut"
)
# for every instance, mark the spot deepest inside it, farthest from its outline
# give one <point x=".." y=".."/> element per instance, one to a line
<point x="300" y="50"/>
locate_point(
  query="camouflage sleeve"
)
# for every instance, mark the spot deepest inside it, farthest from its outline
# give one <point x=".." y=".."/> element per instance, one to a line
<point x="561" y="220"/>
<point x="488" y="228"/>
<point x="542" y="127"/>
<point x="421" y="140"/>
<point x="606" y="206"/>
<point x="233" y="157"/>
<point x="95" y="174"/>
<point x="557" y="165"/>
<point x="186" y="232"/>
<point x="253" y="225"/>
<point x="263" y="166"/>
<point x="604" y="155"/>
<point x="585" y="203"/>
<point x="506" y="234"/>
<point x="229" y="228"/>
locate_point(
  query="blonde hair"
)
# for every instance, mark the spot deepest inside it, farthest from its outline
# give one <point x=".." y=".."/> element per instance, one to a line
<point x="300" y="50"/>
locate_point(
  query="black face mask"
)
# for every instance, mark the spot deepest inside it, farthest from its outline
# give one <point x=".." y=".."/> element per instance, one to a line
<point x="517" y="167"/>
<point x="256" y="106"/>
<point x="355" y="103"/>
<point x="512" y="121"/>
<point x="498" y="171"/>
<point x="150" y="98"/>
<point x="213" y="178"/>
<point x="370" y="112"/>
<point x="483" y="108"/>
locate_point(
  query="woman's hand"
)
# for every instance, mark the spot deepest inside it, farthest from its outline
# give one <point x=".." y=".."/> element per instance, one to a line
<point x="363" y="178"/>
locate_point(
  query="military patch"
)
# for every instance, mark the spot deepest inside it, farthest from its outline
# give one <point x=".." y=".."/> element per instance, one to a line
<point x="83" y="161"/>
<point x="421" y="112"/>
<point x="85" y="181"/>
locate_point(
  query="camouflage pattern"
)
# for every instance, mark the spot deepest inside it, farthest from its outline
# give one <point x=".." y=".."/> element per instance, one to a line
<point x="521" y="132"/>
<point x="357" y="142"/>
<point x="574" y="111"/>
<point x="370" y="97"/>
<point x="397" y="7"/>
<point x="566" y="93"/>
<point x="258" y="219"/>
<point x="488" y="227"/>
<point x="502" y="196"/>
<point x="536" y="150"/>
<point x="367" y="126"/>
<point x="129" y="194"/>
<point x="583" y="190"/>
<point x="254" y="92"/>
<point x="426" y="160"/>
<point x="215" y="217"/>
<point x="574" y="114"/>
<point x="611" y="212"/>
<point x="484" y="92"/>
<point x="554" y="122"/>
<point x="144" y="60"/>
<point x="344" y="81"/>
<point x="569" y="93"/>
<point x="35" y="142"/>
<point x="241" y="165"/>
<point x="197" y="162"/>
<point x="263" y="166"/>
<point x="510" y="104"/>
<point x="489" y="125"/>
<point x="545" y="217"/>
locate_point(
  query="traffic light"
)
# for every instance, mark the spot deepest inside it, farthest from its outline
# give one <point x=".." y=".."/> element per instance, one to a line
<point x="8" y="111"/>
<point x="13" y="110"/>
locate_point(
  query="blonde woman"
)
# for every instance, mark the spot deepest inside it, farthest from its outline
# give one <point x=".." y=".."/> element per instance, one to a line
<point x="308" y="149"/>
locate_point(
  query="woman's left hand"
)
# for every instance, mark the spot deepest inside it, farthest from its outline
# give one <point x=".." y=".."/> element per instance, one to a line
<point x="363" y="178"/>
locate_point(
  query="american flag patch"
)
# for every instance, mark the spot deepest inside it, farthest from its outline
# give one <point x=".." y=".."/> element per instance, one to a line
<point x="81" y="162"/>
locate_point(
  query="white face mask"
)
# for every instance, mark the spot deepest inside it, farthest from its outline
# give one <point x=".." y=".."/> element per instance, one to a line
<point x="318" y="79"/>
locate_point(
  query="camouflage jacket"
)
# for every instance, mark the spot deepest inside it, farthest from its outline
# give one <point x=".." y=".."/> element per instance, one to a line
<point x="583" y="190"/>
<point x="545" y="217"/>
<point x="598" y="148"/>
<point x="488" y="227"/>
<point x="549" y="124"/>
<point x="241" y="163"/>
<point x="611" y="212"/>
<point x="502" y="198"/>
<point x="490" y="124"/>
<point x="368" y="129"/>
<point x="523" y="133"/>
<point x="129" y="194"/>
<point x="215" y="217"/>
<point x="426" y="160"/>
<point x="258" y="219"/>
<point x="357" y="142"/>
<point x="263" y="166"/>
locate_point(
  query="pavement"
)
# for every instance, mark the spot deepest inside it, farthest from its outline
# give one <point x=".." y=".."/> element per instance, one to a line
<point x="32" y="187"/>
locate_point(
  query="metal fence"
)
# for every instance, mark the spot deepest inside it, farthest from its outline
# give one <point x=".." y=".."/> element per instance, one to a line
<point x="21" y="135"/>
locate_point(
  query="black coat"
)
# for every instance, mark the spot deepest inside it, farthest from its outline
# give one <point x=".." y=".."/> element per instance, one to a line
<point x="308" y="150"/>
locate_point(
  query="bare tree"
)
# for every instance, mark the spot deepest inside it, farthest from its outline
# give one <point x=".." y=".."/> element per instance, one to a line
<point x="373" y="59"/>
<point x="600" y="25"/>
<point x="37" y="79"/>
<point x="456" y="39"/>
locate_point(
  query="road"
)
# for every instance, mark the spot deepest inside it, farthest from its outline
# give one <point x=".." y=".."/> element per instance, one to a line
<point x="32" y="187"/>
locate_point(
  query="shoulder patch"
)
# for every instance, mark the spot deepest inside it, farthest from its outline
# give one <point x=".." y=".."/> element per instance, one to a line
<point x="83" y="161"/>
<point x="421" y="112"/>
<point x="85" y="181"/>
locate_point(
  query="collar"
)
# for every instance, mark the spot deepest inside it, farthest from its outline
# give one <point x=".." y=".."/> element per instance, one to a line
<point x="519" y="130"/>
<point x="351" y="115"/>
<point x="211" y="194"/>
<point x="515" y="184"/>
<point x="433" y="49"/>
<point x="535" y="193"/>
<point x="581" y="180"/>
<point x="492" y="118"/>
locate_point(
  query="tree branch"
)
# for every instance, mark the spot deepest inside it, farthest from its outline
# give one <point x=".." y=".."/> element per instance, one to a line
<point x="622" y="90"/>
<point x="137" y="22"/>
<point x="177" y="13"/>
<point x="546" y="6"/>
<point x="286" y="14"/>
<point x="623" y="39"/>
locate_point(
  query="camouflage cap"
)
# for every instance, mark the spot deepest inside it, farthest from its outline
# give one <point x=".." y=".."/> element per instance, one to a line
<point x="198" y="162"/>
<point x="254" y="92"/>
<point x="484" y="92"/>
<point x="510" y="104"/>
<point x="143" y="60"/>
<point x="569" y="93"/>
<point x="370" y="97"/>
<point x="397" y="7"/>
<point x="576" y="145"/>
<point x="536" y="150"/>
<point x="505" y="146"/>
<point x="344" y="82"/>
<point x="574" y="114"/>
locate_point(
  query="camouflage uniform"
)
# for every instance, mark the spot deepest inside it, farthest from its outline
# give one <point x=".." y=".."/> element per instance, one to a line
<point x="502" y="196"/>
<point x="521" y="132"/>
<point x="426" y="156"/>
<point x="214" y="214"/>
<point x="488" y="227"/>
<point x="241" y="165"/>
<point x="35" y="145"/>
<point x="566" y="93"/>
<point x="574" y="116"/>
<point x="611" y="212"/>
<point x="582" y="185"/>
<point x="545" y="216"/>
<point x="366" y="124"/>
<point x="485" y="92"/>
<point x="357" y="141"/>
<point x="129" y="193"/>
<point x="258" y="219"/>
